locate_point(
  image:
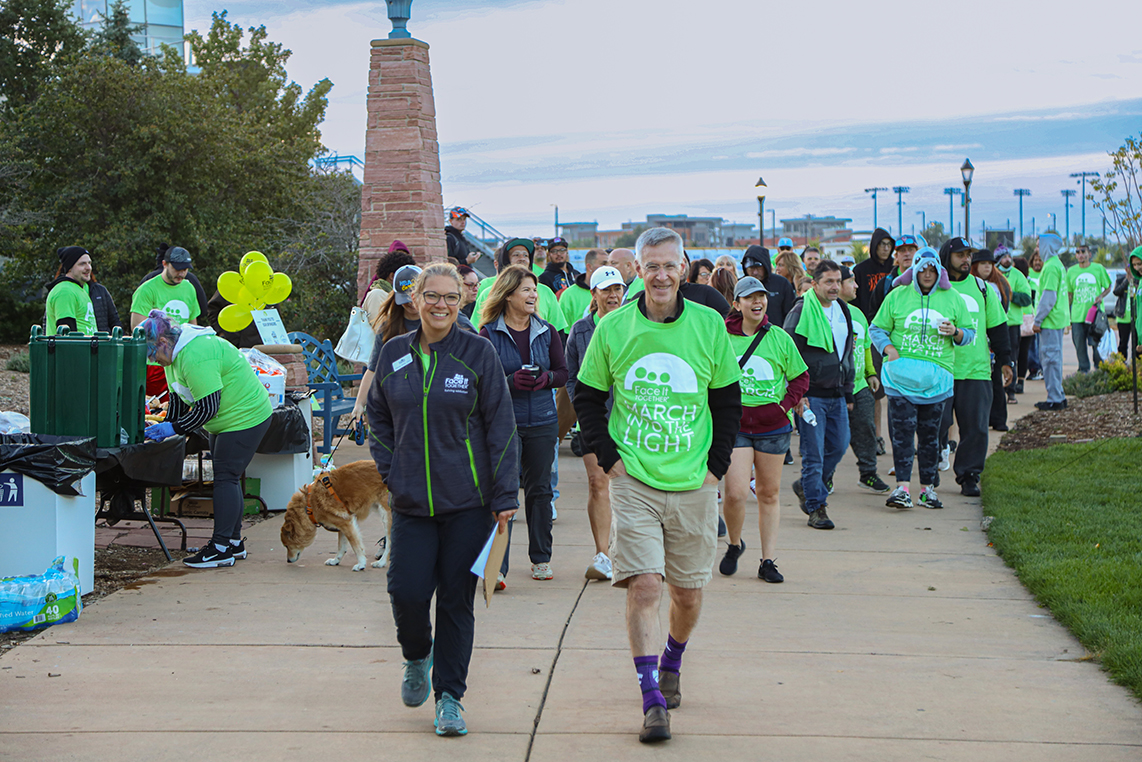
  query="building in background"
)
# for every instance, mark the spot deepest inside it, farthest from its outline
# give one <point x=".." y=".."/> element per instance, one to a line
<point x="162" y="21"/>
<point x="810" y="228"/>
<point x="584" y="233"/>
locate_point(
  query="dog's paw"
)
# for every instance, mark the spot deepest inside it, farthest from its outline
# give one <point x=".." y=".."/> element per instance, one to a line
<point x="333" y="562"/>
<point x="379" y="564"/>
<point x="359" y="567"/>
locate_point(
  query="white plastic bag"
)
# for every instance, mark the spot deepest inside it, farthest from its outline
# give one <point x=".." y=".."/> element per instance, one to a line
<point x="14" y="423"/>
<point x="1107" y="345"/>
<point x="356" y="343"/>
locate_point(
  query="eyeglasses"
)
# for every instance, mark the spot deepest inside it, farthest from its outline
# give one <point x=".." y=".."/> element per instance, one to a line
<point x="670" y="269"/>
<point x="431" y="297"/>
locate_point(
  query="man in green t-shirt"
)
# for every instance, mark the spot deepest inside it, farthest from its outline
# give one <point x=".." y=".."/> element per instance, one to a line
<point x="1051" y="318"/>
<point x="677" y="406"/>
<point x="69" y="295"/>
<point x="170" y="292"/>
<point x="1088" y="284"/>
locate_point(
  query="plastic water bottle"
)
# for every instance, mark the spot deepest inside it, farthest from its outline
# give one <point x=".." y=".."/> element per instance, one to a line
<point x="809" y="416"/>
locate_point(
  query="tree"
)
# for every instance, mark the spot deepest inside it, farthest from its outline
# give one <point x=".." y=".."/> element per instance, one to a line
<point x="1118" y="196"/>
<point x="35" y="35"/>
<point x="934" y="234"/>
<point x="627" y="240"/>
<point x="114" y="37"/>
<point x="859" y="251"/>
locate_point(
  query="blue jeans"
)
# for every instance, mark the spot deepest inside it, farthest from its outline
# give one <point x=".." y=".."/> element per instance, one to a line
<point x="1033" y="365"/>
<point x="822" y="447"/>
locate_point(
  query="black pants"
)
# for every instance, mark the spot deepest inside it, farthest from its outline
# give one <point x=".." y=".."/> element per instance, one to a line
<point x="915" y="423"/>
<point x="434" y="554"/>
<point x="1124" y="338"/>
<point x="232" y="452"/>
<point x="536" y="453"/>
<point x="862" y="432"/>
<point x="1023" y="363"/>
<point x="997" y="418"/>
<point x="972" y="406"/>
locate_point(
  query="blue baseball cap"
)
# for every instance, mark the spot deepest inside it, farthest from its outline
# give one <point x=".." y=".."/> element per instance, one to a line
<point x="785" y="243"/>
<point x="908" y="240"/>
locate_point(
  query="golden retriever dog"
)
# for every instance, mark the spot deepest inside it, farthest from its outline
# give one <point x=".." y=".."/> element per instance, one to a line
<point x="358" y="490"/>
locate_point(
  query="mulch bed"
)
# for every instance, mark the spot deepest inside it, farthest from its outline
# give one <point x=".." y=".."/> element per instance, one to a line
<point x="1106" y="416"/>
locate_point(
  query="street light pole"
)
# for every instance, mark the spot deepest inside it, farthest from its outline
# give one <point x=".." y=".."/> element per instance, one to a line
<point x="760" y="187"/>
<point x="967" y="169"/>
<point x="1084" y="176"/>
<point x="1067" y="194"/>
<point x="773" y="223"/>
<point x="951" y="194"/>
<point x="874" y="191"/>
<point x="1021" y="192"/>
<point x="923" y="221"/>
<point x="900" y="190"/>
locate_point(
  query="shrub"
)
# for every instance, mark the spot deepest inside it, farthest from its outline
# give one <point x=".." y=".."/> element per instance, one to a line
<point x="1088" y="384"/>
<point x="19" y="362"/>
<point x="1118" y="373"/>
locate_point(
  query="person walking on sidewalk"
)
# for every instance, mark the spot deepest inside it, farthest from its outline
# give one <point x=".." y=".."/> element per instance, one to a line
<point x="676" y="412"/>
<point x="1034" y="272"/>
<point x="1088" y="283"/>
<point x="774" y="378"/>
<point x="862" y="421"/>
<point x="440" y="397"/>
<point x="821" y="325"/>
<point x="1002" y="373"/>
<point x="607" y="293"/>
<point x="1051" y="318"/>
<point x="917" y="329"/>
<point x="1020" y="306"/>
<point x="756" y="264"/>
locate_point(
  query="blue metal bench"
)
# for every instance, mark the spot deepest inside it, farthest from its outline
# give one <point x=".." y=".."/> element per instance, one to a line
<point x="326" y="381"/>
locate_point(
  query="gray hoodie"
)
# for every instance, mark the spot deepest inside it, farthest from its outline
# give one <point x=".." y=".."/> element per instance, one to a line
<point x="1049" y="247"/>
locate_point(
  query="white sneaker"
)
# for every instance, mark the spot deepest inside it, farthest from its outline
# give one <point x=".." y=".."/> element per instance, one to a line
<point x="542" y="571"/>
<point x="892" y="471"/>
<point x="945" y="458"/>
<point x="600" y="567"/>
<point x="554" y="512"/>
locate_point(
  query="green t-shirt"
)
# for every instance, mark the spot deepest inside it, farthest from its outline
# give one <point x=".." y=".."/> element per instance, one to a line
<point x="973" y="362"/>
<point x="574" y="303"/>
<point x="767" y="371"/>
<point x="1033" y="281"/>
<point x="180" y="302"/>
<point x="1085" y="284"/>
<point x="862" y="343"/>
<point x="69" y="299"/>
<point x="635" y="288"/>
<point x="547" y="307"/>
<point x="1019" y="285"/>
<point x="209" y="363"/>
<point x="661" y="374"/>
<point x="912" y="321"/>
<point x="1054" y="278"/>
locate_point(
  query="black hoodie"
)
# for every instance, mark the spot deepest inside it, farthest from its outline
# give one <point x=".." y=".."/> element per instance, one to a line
<point x="783" y="295"/>
<point x="870" y="273"/>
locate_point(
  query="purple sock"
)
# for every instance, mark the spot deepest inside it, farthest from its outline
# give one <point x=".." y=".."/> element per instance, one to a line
<point x="672" y="656"/>
<point x="647" y="669"/>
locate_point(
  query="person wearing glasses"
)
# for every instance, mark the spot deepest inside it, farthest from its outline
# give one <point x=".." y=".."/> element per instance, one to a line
<point x="213" y="388"/>
<point x="440" y="401"/>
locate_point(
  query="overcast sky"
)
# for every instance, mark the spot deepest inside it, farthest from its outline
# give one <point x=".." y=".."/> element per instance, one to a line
<point x="614" y="109"/>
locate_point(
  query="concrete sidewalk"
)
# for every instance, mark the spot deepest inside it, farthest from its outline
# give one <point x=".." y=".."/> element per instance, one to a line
<point x="897" y="636"/>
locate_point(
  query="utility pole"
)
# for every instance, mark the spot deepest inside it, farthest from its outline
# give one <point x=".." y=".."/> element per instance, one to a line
<point x="900" y="190"/>
<point x="951" y="193"/>
<point x="1084" y="176"/>
<point x="923" y="221"/>
<point x="1067" y="195"/>
<point x="874" y="191"/>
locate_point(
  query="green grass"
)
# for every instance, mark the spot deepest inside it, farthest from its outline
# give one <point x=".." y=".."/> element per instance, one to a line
<point x="1068" y="521"/>
<point x="19" y="363"/>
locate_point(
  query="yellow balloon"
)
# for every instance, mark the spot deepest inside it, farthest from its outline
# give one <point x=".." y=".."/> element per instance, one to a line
<point x="280" y="289"/>
<point x="257" y="278"/>
<point x="250" y="258"/>
<point x="229" y="285"/>
<point x="234" y="318"/>
<point x="248" y="300"/>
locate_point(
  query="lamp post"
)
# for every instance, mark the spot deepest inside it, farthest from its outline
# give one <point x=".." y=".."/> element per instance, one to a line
<point x="761" y="188"/>
<point x="967" y="169"/>
<point x="923" y="221"/>
<point x="1067" y="194"/>
<point x="1084" y="176"/>
<point x="399" y="11"/>
<point x="874" y="191"/>
<point x="1021" y="192"/>
<point x="951" y="193"/>
<point x="772" y="223"/>
<point x="900" y="190"/>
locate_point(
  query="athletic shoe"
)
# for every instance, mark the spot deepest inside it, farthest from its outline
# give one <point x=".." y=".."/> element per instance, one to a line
<point x="1036" y="376"/>
<point x="655" y="725"/>
<point x="880" y="446"/>
<point x="542" y="571"/>
<point x="722" y="531"/>
<point x="1011" y="400"/>
<point x="239" y="550"/>
<point x="600" y="567"/>
<point x="789" y="457"/>
<point x="899" y="499"/>
<point x="929" y="498"/>
<point x="449" y="721"/>
<point x="818" y="519"/>
<point x="892" y="471"/>
<point x="874" y="483"/>
<point x="1019" y="386"/>
<point x="729" y="565"/>
<point x="753" y="486"/>
<point x="670" y="686"/>
<point x="210" y="557"/>
<point x="1052" y="405"/>
<point x="829" y="486"/>
<point x="945" y="459"/>
<point x="800" y="493"/>
<point x="501" y="583"/>
<point x="768" y="572"/>
<point x="970" y="486"/>
<point x="416" y="686"/>
<point x="554" y="516"/>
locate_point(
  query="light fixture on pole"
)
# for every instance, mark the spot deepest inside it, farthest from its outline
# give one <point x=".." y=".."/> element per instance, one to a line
<point x="773" y="222"/>
<point x="399" y="13"/>
<point x="900" y="190"/>
<point x="967" y="169"/>
<point x="1021" y="192"/>
<point x="874" y="191"/>
<point x="1084" y="176"/>
<point x="761" y="188"/>
<point x="1067" y="195"/>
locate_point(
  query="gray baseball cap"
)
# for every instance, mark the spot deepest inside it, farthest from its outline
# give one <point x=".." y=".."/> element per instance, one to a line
<point x="750" y="285"/>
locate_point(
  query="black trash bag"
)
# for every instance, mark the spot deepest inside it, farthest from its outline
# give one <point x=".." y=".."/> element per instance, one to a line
<point x="288" y="433"/>
<point x="57" y="462"/>
<point x="150" y="464"/>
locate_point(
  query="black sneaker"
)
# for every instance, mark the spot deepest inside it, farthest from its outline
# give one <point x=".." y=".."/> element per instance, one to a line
<point x="210" y="557"/>
<point x="818" y="519"/>
<point x="655" y="725"/>
<point x="722" y="531"/>
<point x="970" y="486"/>
<point x="829" y="485"/>
<point x="729" y="565"/>
<point x="789" y="457"/>
<point x="1019" y="386"/>
<point x="874" y="483"/>
<point x="899" y="499"/>
<point x="880" y="446"/>
<point x="768" y="572"/>
<point x="800" y="493"/>
<point x="929" y="498"/>
<point x="239" y="550"/>
<point x="1051" y="405"/>
<point x="670" y="686"/>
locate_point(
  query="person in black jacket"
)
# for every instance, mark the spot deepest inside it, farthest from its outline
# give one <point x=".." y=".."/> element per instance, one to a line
<point x="443" y="437"/>
<point x="756" y="264"/>
<point x="106" y="315"/>
<point x="873" y="270"/>
<point x="822" y="329"/>
<point x="458" y="247"/>
<point x="558" y="274"/>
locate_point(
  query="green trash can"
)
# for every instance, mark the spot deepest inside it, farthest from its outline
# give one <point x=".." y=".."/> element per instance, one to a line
<point x="77" y="384"/>
<point x="132" y="408"/>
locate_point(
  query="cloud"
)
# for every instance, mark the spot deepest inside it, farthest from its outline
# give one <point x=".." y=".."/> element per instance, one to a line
<point x="960" y="147"/>
<point x="1132" y="57"/>
<point x="896" y="149"/>
<point x="783" y="153"/>
<point x="1043" y="117"/>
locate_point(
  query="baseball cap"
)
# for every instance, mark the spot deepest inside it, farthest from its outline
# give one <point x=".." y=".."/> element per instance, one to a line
<point x="404" y="281"/>
<point x="457" y="212"/>
<point x="908" y="240"/>
<point x="539" y="241"/>
<point x="983" y="255"/>
<point x="846" y="273"/>
<point x="750" y="285"/>
<point x="605" y="277"/>
<point x="847" y="259"/>
<point x="955" y="245"/>
<point x="785" y="243"/>
<point x="557" y="241"/>
<point x="177" y="257"/>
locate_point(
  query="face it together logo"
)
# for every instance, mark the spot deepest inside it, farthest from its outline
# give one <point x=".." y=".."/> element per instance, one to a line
<point x="921" y="332"/>
<point x="457" y="384"/>
<point x="756" y="370"/>
<point x="177" y="310"/>
<point x="654" y="421"/>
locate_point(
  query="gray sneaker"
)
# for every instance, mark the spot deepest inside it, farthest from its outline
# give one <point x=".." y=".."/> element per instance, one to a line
<point x="899" y="499"/>
<point x="818" y="519"/>
<point x="449" y="721"/>
<point x="670" y="685"/>
<point x="417" y="682"/>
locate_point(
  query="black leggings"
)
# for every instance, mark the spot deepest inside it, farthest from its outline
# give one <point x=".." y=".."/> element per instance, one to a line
<point x="232" y="452"/>
<point x="912" y="423"/>
<point x="1124" y="338"/>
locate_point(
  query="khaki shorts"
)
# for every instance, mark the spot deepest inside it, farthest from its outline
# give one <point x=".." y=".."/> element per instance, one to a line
<point x="673" y="534"/>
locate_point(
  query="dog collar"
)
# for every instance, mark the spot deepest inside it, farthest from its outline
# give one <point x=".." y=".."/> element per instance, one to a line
<point x="325" y="480"/>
